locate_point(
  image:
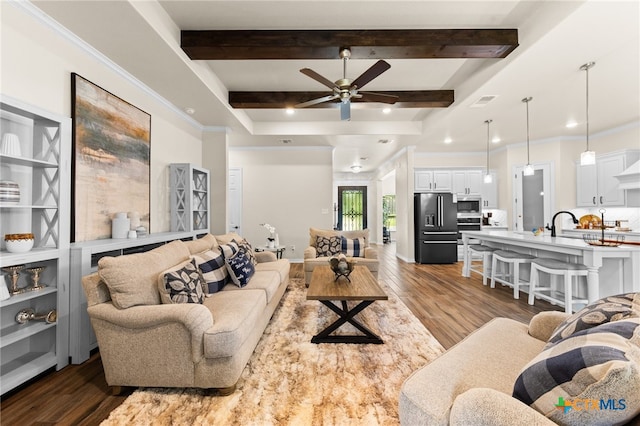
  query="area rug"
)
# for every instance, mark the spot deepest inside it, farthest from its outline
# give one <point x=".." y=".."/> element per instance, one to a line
<point x="291" y="381"/>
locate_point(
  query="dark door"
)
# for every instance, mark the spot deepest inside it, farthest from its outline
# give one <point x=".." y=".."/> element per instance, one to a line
<point x="352" y="208"/>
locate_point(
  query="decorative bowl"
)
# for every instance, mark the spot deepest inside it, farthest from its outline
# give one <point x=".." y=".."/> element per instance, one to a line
<point x="341" y="266"/>
<point x="18" y="243"/>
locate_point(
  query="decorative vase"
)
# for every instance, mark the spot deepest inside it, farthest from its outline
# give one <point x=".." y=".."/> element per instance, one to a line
<point x="10" y="145"/>
<point x="120" y="226"/>
<point x="271" y="243"/>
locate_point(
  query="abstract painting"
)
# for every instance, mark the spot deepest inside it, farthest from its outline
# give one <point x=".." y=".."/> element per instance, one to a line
<point x="111" y="160"/>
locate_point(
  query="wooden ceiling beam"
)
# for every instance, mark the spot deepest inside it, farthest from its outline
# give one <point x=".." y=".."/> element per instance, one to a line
<point x="278" y="100"/>
<point x="364" y="44"/>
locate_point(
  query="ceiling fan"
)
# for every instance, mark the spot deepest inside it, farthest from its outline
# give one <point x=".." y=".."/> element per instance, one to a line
<point x="345" y="89"/>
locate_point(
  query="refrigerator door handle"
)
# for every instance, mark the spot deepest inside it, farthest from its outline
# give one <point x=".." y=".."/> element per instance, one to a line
<point x="438" y="233"/>
<point x="440" y="242"/>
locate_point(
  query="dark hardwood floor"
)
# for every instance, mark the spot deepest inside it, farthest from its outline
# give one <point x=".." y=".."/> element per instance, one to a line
<point x="449" y="305"/>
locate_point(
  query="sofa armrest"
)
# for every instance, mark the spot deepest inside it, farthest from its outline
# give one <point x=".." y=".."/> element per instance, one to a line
<point x="265" y="256"/>
<point x="543" y="324"/>
<point x="310" y="253"/>
<point x="370" y="253"/>
<point x="489" y="407"/>
<point x="195" y="318"/>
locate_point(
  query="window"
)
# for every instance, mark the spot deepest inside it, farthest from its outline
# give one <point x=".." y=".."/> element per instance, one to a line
<point x="352" y="208"/>
<point x="389" y="211"/>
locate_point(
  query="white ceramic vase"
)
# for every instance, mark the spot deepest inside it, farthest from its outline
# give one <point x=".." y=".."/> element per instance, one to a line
<point x="120" y="226"/>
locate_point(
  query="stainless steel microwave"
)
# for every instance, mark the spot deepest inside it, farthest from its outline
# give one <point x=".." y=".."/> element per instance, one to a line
<point x="469" y="205"/>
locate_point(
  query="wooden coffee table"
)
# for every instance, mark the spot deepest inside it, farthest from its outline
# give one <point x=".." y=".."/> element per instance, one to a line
<point x="363" y="287"/>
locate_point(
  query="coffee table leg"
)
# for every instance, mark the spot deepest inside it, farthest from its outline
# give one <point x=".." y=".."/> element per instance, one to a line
<point x="345" y="315"/>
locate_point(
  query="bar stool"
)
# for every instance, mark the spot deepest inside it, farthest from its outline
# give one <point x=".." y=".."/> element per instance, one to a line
<point x="556" y="267"/>
<point x="485" y="252"/>
<point x="514" y="260"/>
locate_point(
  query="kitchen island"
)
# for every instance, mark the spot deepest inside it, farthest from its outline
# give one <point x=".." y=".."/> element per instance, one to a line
<point x="611" y="270"/>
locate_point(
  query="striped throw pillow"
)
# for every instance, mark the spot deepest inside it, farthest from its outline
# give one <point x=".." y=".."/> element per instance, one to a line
<point x="214" y="271"/>
<point x="589" y="377"/>
<point x="353" y="247"/>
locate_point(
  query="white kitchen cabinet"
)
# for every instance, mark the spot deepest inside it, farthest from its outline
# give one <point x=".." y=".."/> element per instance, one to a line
<point x="189" y="198"/>
<point x="597" y="185"/>
<point x="40" y="166"/>
<point x="432" y="180"/>
<point x="490" y="192"/>
<point x="467" y="182"/>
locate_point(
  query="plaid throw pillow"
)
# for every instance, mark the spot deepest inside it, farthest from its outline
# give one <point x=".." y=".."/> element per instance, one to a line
<point x="328" y="246"/>
<point x="353" y="247"/>
<point x="214" y="271"/>
<point x="600" y="363"/>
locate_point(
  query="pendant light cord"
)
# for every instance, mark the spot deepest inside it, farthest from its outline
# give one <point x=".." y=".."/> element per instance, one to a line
<point x="526" y="101"/>
<point x="488" y="123"/>
<point x="587" y="71"/>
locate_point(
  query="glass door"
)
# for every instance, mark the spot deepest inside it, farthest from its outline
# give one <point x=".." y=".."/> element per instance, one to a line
<point x="352" y="208"/>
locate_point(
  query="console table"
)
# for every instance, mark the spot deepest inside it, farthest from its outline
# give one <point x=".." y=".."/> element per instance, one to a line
<point x="84" y="260"/>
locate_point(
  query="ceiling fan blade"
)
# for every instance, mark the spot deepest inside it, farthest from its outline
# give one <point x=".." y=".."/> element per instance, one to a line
<point x="345" y="110"/>
<point x="374" y="71"/>
<point x="378" y="97"/>
<point x="316" y="101"/>
<point x="317" y="77"/>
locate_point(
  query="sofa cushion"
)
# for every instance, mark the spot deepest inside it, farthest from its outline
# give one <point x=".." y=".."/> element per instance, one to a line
<point x="133" y="279"/>
<point x="353" y="247"/>
<point x="228" y="250"/>
<point x="612" y="308"/>
<point x="328" y="246"/>
<point x="181" y="284"/>
<point x="240" y="268"/>
<point x="267" y="281"/>
<point x="203" y="244"/>
<point x="214" y="270"/>
<point x="227" y="238"/>
<point x="281" y="266"/>
<point x="235" y="315"/>
<point x="592" y="369"/>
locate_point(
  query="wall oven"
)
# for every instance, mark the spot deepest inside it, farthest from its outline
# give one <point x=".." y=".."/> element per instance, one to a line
<point x="468" y="223"/>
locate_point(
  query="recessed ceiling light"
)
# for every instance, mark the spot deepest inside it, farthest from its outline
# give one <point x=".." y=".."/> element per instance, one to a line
<point x="190" y="111"/>
<point x="496" y="139"/>
<point x="448" y="140"/>
<point x="571" y="124"/>
<point x="386" y="110"/>
<point x="290" y="111"/>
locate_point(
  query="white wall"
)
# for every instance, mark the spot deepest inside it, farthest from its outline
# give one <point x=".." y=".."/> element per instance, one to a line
<point x="37" y="62"/>
<point x="288" y="188"/>
<point x="215" y="158"/>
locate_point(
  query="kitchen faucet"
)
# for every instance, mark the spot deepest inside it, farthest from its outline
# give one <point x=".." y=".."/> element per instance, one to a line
<point x="553" y="221"/>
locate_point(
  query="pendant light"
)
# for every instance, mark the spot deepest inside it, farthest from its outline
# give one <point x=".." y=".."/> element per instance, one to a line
<point x="587" y="157"/>
<point x="487" y="177"/>
<point x="528" y="169"/>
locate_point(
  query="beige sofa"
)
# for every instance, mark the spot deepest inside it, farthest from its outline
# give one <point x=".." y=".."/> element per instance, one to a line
<point x="148" y="343"/>
<point x="311" y="258"/>
<point x="473" y="382"/>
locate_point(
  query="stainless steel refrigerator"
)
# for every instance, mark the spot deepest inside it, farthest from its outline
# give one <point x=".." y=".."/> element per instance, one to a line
<point x="436" y="228"/>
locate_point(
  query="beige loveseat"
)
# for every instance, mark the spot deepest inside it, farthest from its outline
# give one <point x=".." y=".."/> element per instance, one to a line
<point x="144" y="342"/>
<point x="368" y="258"/>
<point x="473" y="382"/>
